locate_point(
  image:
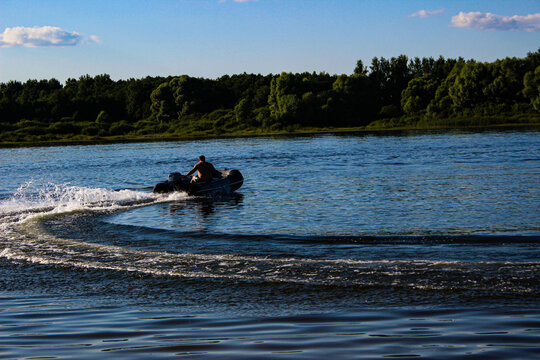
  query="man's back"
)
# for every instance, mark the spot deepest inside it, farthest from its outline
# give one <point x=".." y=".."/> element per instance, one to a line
<point x="206" y="171"/>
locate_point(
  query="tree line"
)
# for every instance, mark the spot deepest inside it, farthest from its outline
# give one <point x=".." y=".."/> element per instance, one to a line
<point x="389" y="93"/>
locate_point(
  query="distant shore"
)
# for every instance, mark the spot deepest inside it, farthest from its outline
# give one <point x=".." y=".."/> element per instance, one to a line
<point x="399" y="93"/>
<point x="93" y="140"/>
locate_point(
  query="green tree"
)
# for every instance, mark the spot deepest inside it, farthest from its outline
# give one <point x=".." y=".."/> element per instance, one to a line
<point x="531" y="87"/>
<point x="468" y="87"/>
<point x="388" y="78"/>
<point x="242" y="111"/>
<point x="138" y="102"/>
<point x="442" y="105"/>
<point x="194" y="95"/>
<point x="350" y="102"/>
<point x="507" y="83"/>
<point x="360" y="69"/>
<point x="418" y="94"/>
<point x="163" y="104"/>
<point x="283" y="100"/>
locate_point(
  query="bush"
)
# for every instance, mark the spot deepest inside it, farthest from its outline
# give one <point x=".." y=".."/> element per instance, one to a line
<point x="90" y="130"/>
<point x="144" y="123"/>
<point x="262" y="114"/>
<point x="152" y="129"/>
<point x="32" y="130"/>
<point x="202" y="125"/>
<point x="63" y="128"/>
<point x="389" y="111"/>
<point x="121" y="128"/>
<point x="4" y="127"/>
<point x="145" y="131"/>
<point x="25" y="123"/>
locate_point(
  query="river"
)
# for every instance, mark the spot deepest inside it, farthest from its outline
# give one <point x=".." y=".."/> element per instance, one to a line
<point x="413" y="244"/>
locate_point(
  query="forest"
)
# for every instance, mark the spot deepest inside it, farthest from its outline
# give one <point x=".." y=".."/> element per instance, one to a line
<point x="399" y="92"/>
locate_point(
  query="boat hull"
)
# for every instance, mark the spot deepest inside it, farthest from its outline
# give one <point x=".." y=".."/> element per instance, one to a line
<point x="230" y="181"/>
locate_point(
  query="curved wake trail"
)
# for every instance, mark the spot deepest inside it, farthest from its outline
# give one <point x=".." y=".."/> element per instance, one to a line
<point x="37" y="247"/>
<point x="22" y="238"/>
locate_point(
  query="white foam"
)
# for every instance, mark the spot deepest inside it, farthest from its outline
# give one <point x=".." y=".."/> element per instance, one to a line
<point x="33" y="200"/>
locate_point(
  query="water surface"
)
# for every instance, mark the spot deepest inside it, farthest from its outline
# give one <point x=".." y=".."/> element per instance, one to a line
<point x="355" y="246"/>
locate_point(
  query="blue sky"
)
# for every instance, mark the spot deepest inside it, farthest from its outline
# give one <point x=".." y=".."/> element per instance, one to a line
<point x="209" y="38"/>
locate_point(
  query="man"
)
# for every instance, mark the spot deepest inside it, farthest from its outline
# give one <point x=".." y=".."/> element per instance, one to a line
<point x="205" y="171"/>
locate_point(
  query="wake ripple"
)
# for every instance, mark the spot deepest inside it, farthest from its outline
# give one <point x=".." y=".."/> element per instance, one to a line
<point x="23" y="239"/>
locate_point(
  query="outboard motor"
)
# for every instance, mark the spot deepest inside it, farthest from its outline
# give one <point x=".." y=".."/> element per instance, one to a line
<point x="162" y="187"/>
<point x="174" y="177"/>
<point x="170" y="185"/>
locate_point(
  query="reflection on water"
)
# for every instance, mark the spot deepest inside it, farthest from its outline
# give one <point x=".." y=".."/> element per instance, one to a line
<point x="206" y="205"/>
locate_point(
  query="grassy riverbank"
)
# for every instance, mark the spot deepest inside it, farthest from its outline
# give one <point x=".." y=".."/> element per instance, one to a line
<point x="390" y="125"/>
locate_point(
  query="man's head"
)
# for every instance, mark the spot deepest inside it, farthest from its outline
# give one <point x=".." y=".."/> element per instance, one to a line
<point x="202" y="158"/>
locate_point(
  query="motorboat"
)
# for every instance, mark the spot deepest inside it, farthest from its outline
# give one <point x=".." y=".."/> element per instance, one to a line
<point x="229" y="181"/>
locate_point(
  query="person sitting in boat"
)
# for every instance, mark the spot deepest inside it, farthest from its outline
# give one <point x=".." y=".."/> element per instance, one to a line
<point x="205" y="171"/>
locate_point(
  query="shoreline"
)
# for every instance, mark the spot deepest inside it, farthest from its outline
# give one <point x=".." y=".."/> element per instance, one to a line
<point x="249" y="134"/>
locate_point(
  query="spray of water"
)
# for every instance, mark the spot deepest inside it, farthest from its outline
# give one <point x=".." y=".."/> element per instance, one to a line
<point x="33" y="200"/>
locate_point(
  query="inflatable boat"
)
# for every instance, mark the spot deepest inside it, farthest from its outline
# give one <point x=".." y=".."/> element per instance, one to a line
<point x="230" y="181"/>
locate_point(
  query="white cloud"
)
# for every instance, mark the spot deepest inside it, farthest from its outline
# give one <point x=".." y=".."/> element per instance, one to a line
<point x="95" y="39"/>
<point x="425" y="13"/>
<point x="38" y="36"/>
<point x="489" y="21"/>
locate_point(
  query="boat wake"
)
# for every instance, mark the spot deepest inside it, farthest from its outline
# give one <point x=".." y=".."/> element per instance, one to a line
<point x="25" y="239"/>
<point x="22" y="237"/>
<point x="34" y="201"/>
